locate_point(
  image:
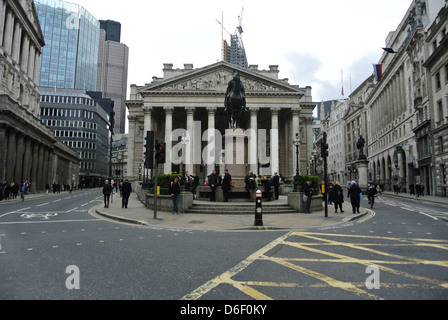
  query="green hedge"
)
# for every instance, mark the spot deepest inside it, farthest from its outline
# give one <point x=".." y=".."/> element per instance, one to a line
<point x="314" y="182"/>
<point x="164" y="181"/>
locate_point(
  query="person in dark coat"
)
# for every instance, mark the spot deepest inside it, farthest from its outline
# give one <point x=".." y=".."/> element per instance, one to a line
<point x="308" y="192"/>
<point x="275" y="182"/>
<point x="107" y="191"/>
<point x="354" y="193"/>
<point x="251" y="185"/>
<point x="337" y="197"/>
<point x="213" y="184"/>
<point x="174" y="189"/>
<point x="126" y="190"/>
<point x="267" y="187"/>
<point x="226" y="185"/>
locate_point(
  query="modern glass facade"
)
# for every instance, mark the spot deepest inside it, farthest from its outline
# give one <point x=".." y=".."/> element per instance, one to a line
<point x="70" y="58"/>
<point x="80" y="122"/>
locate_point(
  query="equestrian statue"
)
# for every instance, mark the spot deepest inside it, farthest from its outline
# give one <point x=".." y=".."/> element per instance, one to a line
<point x="235" y="102"/>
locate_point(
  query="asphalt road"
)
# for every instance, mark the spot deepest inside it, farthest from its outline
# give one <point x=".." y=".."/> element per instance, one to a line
<point x="53" y="248"/>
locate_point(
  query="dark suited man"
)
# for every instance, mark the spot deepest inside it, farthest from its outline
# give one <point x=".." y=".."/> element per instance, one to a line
<point x="126" y="190"/>
<point x="226" y="185"/>
<point x="213" y="184"/>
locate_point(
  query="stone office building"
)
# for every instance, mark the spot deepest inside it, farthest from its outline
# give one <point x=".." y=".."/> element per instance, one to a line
<point x="193" y="100"/>
<point x="28" y="149"/>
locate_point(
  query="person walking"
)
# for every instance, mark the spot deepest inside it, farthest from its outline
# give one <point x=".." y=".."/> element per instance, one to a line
<point x="226" y="185"/>
<point x="250" y="185"/>
<point x="175" y="193"/>
<point x="126" y="190"/>
<point x="308" y="192"/>
<point x="107" y="190"/>
<point x="354" y="193"/>
<point x="275" y="182"/>
<point x="194" y="184"/>
<point x="338" y="197"/>
<point x="213" y="184"/>
<point x="23" y="191"/>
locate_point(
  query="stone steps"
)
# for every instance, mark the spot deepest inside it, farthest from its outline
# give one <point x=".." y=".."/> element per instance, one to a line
<point x="238" y="208"/>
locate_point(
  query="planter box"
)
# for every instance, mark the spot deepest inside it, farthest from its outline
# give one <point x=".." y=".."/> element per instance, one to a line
<point x="165" y="203"/>
<point x="295" y="201"/>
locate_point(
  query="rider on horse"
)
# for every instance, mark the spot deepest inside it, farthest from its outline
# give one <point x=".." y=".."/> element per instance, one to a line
<point x="235" y="101"/>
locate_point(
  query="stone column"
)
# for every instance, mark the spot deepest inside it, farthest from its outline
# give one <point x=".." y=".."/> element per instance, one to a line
<point x="36" y="66"/>
<point x="275" y="146"/>
<point x="131" y="150"/>
<point x="168" y="133"/>
<point x="189" y="165"/>
<point x="211" y="137"/>
<point x="11" y="156"/>
<point x="19" y="161"/>
<point x="25" y="53"/>
<point x="2" y="20"/>
<point x="3" y="155"/>
<point x="253" y="140"/>
<point x="16" y="42"/>
<point x="34" y="166"/>
<point x="40" y="173"/>
<point x="9" y="30"/>
<point x="31" y="60"/>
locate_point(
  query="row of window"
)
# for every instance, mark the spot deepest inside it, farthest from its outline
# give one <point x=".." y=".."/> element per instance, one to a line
<point x="70" y="124"/>
<point x="68" y="100"/>
<point x="80" y="144"/>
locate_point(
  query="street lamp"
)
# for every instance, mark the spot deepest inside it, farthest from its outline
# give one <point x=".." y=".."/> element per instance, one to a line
<point x="297" y="143"/>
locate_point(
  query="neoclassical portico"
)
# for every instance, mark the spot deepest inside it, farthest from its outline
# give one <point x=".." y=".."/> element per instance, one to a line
<point x="192" y="100"/>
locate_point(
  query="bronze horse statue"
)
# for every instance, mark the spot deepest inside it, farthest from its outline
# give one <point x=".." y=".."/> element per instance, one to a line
<point x="235" y="102"/>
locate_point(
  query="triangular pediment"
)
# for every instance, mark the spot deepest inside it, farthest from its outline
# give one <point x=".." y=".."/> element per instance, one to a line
<point x="215" y="78"/>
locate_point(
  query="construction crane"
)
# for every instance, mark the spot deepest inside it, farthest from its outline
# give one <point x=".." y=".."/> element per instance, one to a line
<point x="236" y="53"/>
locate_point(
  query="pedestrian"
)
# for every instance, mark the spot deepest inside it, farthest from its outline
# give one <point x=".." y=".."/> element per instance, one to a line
<point x="267" y="187"/>
<point x="213" y="184"/>
<point x="187" y="181"/>
<point x="107" y="190"/>
<point x="226" y="185"/>
<point x="194" y="184"/>
<point x="275" y="182"/>
<point x="354" y="193"/>
<point x="23" y="191"/>
<point x="338" y="197"/>
<point x="330" y="192"/>
<point x="175" y="193"/>
<point x="126" y="190"/>
<point x="250" y="185"/>
<point x="308" y="194"/>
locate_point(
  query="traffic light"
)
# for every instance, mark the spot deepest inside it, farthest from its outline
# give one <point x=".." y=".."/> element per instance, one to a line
<point x="324" y="147"/>
<point x="149" y="150"/>
<point x="161" y="153"/>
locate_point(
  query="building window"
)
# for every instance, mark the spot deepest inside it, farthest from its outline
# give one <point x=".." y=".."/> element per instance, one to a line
<point x="438" y="81"/>
<point x="446" y="73"/>
<point x="440" y="109"/>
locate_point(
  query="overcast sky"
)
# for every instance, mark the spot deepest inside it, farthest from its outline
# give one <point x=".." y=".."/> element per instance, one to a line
<point x="311" y="41"/>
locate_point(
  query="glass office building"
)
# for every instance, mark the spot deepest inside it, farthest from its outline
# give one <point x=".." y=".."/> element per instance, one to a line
<point x="70" y="58"/>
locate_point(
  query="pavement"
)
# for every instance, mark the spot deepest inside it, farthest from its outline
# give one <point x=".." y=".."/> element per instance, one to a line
<point x="138" y="214"/>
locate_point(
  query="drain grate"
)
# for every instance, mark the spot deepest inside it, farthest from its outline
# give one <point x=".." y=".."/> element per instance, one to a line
<point x="196" y="222"/>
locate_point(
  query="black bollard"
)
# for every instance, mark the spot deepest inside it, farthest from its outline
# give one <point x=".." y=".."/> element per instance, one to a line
<point x="259" y="210"/>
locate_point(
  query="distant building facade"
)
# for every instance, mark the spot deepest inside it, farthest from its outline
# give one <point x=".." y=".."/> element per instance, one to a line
<point x="29" y="150"/>
<point x="112" y="77"/>
<point x="80" y="121"/>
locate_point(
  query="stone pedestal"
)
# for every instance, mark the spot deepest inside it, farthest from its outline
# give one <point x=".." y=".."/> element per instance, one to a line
<point x="235" y="155"/>
<point x="363" y="174"/>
